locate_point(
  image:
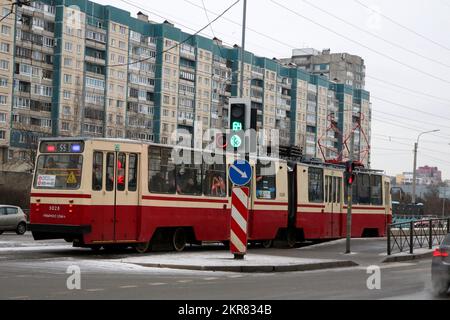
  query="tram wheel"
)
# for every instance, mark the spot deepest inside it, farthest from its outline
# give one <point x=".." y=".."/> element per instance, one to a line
<point x="142" y="247"/>
<point x="179" y="240"/>
<point x="96" y="248"/>
<point x="267" y="244"/>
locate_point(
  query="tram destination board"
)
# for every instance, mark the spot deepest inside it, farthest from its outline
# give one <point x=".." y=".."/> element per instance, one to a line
<point x="62" y="147"/>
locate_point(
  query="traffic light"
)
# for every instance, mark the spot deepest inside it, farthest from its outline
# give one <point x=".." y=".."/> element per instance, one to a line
<point x="237" y="116"/>
<point x="240" y="114"/>
<point x="350" y="175"/>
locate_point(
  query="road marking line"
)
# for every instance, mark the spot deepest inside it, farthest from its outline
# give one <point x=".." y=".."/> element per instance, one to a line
<point x="236" y="276"/>
<point x="157" y="284"/>
<point x="94" y="290"/>
<point x="128" y="287"/>
<point x="19" y="297"/>
<point x="210" y="279"/>
<point x="184" y="281"/>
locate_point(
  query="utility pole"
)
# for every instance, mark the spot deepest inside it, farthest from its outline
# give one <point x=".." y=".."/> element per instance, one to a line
<point x="244" y="23"/>
<point x="416" y="145"/>
<point x="350" y="202"/>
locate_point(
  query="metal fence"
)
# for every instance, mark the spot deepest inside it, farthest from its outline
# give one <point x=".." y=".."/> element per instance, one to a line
<point x="424" y="233"/>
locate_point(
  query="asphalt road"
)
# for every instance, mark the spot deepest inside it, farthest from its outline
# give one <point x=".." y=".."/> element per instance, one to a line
<point x="38" y="270"/>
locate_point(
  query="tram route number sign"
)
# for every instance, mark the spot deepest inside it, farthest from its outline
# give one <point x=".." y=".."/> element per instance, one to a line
<point x="240" y="172"/>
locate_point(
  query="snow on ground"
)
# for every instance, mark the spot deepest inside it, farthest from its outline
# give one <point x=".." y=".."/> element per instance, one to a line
<point x="218" y="259"/>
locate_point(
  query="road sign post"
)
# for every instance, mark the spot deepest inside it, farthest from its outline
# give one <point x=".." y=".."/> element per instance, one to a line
<point x="239" y="222"/>
<point x="240" y="174"/>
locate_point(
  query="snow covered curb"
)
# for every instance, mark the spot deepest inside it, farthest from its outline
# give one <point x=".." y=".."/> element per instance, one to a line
<point x="224" y="262"/>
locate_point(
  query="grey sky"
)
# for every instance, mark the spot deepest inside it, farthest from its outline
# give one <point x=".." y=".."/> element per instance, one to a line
<point x="429" y="18"/>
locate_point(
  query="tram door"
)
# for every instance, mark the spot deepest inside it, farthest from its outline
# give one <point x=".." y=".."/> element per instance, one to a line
<point x="327" y="215"/>
<point x="126" y="196"/>
<point x="103" y="196"/>
<point x="333" y="198"/>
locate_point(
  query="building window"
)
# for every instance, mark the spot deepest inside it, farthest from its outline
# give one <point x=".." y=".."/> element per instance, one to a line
<point x="68" y="46"/>
<point x="6" y="30"/>
<point x="3" y="82"/>
<point x="2" y="117"/>
<point x="2" y="134"/>
<point x="4" y="47"/>
<point x="67" y="95"/>
<point x="65" y="126"/>
<point x="68" y="78"/>
<point x="3" y="100"/>
<point x="4" y="65"/>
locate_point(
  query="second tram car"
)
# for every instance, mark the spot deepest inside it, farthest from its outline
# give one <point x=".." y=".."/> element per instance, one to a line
<point x="101" y="192"/>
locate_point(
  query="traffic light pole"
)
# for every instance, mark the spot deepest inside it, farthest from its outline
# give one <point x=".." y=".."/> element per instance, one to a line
<point x="244" y="24"/>
<point x="349" y="204"/>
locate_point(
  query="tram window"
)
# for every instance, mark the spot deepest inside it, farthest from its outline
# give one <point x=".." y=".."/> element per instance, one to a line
<point x="363" y="189"/>
<point x="375" y="190"/>
<point x="315" y="185"/>
<point x="132" y="172"/>
<point x="339" y="190"/>
<point x="121" y="167"/>
<point x="97" y="171"/>
<point x="327" y="197"/>
<point x="214" y="178"/>
<point x="61" y="172"/>
<point x="333" y="190"/>
<point x="189" y="178"/>
<point x="266" y="186"/>
<point x="110" y="172"/>
<point x="161" y="170"/>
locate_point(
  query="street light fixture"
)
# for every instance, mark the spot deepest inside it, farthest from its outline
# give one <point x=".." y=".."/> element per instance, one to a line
<point x="416" y="146"/>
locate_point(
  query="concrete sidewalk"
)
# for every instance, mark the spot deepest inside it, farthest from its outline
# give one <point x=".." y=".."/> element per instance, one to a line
<point x="224" y="261"/>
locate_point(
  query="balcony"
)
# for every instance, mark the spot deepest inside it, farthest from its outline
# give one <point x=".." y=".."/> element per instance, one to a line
<point x="95" y="60"/>
<point x="187" y="54"/>
<point x="95" y="44"/>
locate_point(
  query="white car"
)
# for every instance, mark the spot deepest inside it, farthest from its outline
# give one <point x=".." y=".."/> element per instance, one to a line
<point x="12" y="219"/>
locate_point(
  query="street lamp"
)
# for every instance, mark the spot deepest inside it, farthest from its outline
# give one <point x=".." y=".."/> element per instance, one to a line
<point x="416" y="146"/>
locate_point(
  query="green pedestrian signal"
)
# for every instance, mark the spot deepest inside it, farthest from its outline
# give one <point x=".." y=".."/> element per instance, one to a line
<point x="236" y="141"/>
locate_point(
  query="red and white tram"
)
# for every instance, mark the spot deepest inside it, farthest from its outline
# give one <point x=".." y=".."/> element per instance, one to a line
<point x="101" y="192"/>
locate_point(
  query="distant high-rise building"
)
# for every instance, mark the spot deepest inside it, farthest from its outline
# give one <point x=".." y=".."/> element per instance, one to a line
<point x="339" y="67"/>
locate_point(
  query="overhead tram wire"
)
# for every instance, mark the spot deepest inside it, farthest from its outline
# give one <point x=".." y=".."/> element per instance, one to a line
<point x="293" y="47"/>
<point x="388" y="86"/>
<point x="402" y="26"/>
<point x="411" y="145"/>
<point x="185" y="26"/>
<point x="361" y="44"/>
<point x="411" y="119"/>
<point x="396" y="123"/>
<point x="409" y="108"/>
<point x="210" y="22"/>
<point x="376" y="36"/>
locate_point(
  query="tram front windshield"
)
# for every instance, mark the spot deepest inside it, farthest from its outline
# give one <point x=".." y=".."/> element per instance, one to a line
<point x="58" y="172"/>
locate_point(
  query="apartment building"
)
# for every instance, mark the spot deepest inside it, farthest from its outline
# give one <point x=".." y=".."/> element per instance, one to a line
<point x="77" y="68"/>
<point x="343" y="68"/>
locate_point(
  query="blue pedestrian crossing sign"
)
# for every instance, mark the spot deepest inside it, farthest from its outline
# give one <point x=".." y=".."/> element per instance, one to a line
<point x="240" y="172"/>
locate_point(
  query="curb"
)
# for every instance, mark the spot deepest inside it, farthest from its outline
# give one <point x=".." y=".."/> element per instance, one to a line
<point x="408" y="257"/>
<point x="256" y="269"/>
